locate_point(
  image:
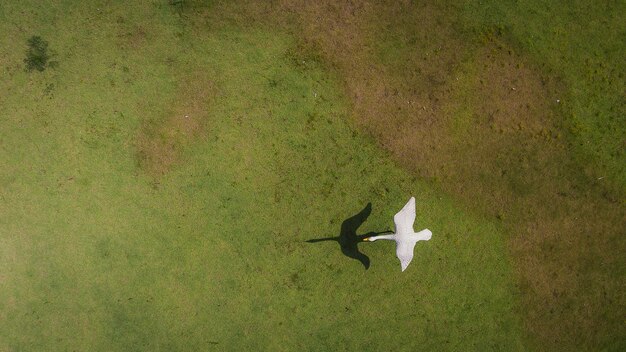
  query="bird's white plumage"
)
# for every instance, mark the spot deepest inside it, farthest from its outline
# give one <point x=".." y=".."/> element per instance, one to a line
<point x="424" y="235"/>
<point x="404" y="251"/>
<point x="405" y="237"/>
<point x="405" y="218"/>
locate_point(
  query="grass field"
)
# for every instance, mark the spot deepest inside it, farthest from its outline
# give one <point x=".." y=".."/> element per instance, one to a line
<point x="162" y="173"/>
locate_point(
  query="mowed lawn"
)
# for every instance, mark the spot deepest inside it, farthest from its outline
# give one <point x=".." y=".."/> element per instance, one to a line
<point x="159" y="182"/>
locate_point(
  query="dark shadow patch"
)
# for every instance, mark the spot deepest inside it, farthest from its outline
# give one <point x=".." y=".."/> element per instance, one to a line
<point x="349" y="240"/>
<point x="37" y="55"/>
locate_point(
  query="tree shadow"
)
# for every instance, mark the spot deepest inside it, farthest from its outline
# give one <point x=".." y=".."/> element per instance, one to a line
<point x="348" y="239"/>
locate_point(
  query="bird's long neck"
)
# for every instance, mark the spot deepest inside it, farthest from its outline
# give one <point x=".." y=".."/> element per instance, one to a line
<point x="383" y="237"/>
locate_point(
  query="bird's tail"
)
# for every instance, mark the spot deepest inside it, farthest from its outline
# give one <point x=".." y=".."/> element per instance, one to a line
<point x="424" y="235"/>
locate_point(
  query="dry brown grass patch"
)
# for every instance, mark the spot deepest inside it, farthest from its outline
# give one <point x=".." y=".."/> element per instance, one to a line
<point x="133" y="37"/>
<point x="160" y="140"/>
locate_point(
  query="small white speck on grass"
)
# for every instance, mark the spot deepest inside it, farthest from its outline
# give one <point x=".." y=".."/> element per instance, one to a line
<point x="599" y="178"/>
<point x="558" y="101"/>
<point x="187" y="116"/>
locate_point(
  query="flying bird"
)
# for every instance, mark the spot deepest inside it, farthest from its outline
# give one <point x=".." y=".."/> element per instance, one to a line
<point x="404" y="236"/>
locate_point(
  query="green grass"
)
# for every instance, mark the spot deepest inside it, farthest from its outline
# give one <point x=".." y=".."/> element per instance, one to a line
<point x="582" y="43"/>
<point x="519" y="111"/>
<point x="163" y="164"/>
<point x="98" y="254"/>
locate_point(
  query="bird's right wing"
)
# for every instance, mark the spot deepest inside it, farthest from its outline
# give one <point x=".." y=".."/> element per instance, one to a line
<point x="405" y="218"/>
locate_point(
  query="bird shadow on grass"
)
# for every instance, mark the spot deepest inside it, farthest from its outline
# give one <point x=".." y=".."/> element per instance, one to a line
<point x="348" y="239"/>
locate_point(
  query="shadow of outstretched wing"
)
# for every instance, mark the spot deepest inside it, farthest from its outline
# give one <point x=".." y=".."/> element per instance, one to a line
<point x="348" y="239"/>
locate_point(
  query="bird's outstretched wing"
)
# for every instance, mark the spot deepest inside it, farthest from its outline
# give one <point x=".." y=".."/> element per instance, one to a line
<point x="404" y="251"/>
<point x="405" y="218"/>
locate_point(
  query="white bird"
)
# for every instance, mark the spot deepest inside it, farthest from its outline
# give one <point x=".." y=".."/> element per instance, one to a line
<point x="404" y="236"/>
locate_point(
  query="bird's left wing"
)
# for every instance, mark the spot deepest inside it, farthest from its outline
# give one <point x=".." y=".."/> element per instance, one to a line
<point x="405" y="218"/>
<point x="404" y="251"/>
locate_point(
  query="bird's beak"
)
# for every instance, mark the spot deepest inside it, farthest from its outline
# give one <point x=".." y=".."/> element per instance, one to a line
<point x="366" y="239"/>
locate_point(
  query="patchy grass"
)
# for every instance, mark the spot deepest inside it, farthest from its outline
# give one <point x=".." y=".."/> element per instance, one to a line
<point x="588" y="56"/>
<point x="487" y="104"/>
<point x="159" y="140"/>
<point x="159" y="186"/>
